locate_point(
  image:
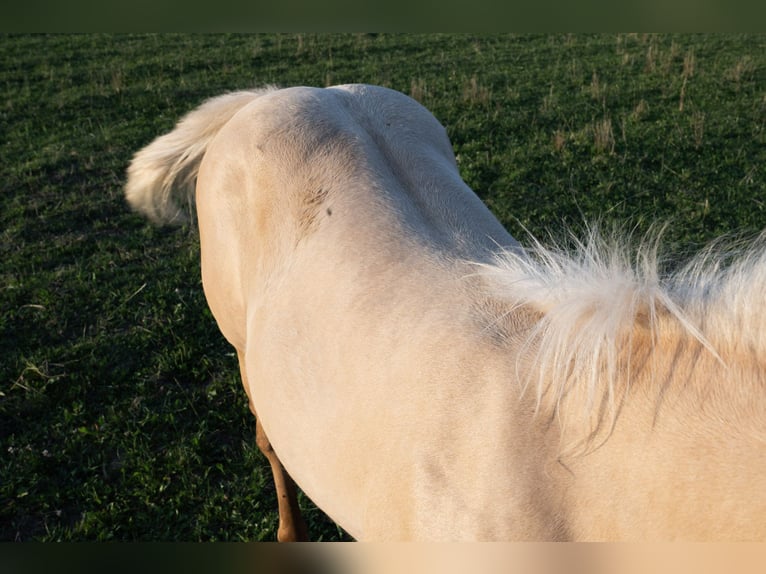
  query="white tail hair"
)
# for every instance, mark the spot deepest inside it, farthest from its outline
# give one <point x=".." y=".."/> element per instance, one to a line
<point x="161" y="177"/>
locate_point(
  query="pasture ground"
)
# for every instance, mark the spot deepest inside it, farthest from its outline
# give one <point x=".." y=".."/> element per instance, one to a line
<point x="121" y="412"/>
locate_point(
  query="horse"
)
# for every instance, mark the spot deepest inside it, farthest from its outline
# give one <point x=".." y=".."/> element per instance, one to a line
<point x="423" y="376"/>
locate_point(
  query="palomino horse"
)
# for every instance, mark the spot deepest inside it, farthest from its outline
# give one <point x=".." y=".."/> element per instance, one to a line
<point x="423" y="377"/>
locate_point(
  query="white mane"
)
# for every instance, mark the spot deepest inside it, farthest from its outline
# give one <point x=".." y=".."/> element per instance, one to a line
<point x="589" y="298"/>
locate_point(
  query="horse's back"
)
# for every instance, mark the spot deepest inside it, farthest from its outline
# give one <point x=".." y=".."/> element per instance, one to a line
<point x="356" y="170"/>
<point x="335" y="229"/>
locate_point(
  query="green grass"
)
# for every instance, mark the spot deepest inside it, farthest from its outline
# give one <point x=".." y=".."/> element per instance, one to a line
<point x="121" y="412"/>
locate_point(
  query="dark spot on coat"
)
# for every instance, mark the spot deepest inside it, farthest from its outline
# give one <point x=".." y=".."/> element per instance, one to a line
<point x="312" y="205"/>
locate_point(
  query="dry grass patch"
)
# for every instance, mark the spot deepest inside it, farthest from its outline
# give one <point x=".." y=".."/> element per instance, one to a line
<point x="559" y="140"/>
<point x="597" y="88"/>
<point x="418" y="89"/>
<point x="641" y="109"/>
<point x="603" y="136"/>
<point x="474" y="92"/>
<point x="742" y="70"/>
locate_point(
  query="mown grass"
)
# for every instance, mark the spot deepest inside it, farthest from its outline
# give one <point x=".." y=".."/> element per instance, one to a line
<point x="121" y="413"/>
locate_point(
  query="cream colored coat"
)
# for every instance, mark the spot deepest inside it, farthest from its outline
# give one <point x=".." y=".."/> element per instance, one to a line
<point x="416" y="385"/>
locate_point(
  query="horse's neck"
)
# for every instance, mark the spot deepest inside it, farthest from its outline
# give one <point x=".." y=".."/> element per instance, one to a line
<point x="686" y="439"/>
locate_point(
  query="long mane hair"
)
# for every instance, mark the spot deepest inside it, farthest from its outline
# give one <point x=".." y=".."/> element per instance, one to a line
<point x="590" y="295"/>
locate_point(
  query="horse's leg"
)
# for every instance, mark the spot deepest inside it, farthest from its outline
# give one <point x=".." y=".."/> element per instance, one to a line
<point x="292" y="528"/>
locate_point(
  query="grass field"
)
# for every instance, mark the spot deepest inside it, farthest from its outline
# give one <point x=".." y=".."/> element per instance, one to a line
<point x="121" y="412"/>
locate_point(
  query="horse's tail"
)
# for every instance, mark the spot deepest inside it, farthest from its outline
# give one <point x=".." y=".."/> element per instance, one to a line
<point x="162" y="176"/>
